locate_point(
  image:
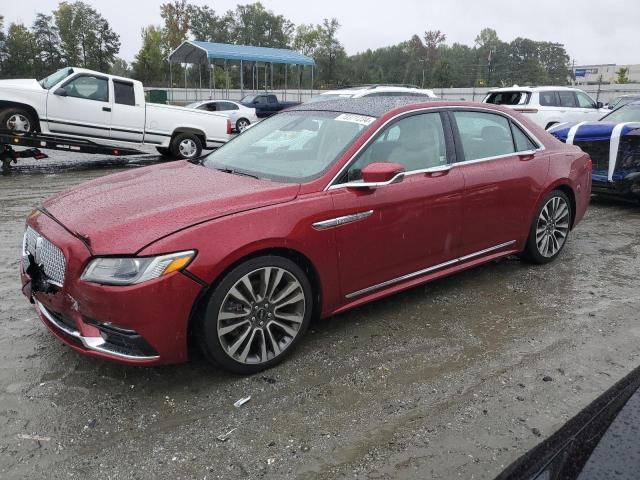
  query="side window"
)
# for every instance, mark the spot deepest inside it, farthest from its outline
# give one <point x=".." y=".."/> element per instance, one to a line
<point x="416" y="142"/>
<point x="261" y="100"/>
<point x="123" y="93"/>
<point x="522" y="141"/>
<point x="272" y="99"/>
<point x="548" y="99"/>
<point x="585" y="101"/>
<point x="89" y="88"/>
<point x="225" y="106"/>
<point x="567" y="99"/>
<point x="484" y="135"/>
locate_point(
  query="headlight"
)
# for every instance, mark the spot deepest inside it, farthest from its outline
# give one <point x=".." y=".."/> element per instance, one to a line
<point x="132" y="270"/>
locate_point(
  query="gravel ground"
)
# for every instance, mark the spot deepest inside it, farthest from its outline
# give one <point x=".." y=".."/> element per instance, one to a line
<point x="442" y="381"/>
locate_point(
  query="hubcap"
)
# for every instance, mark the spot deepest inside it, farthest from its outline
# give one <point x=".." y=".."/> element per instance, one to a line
<point x="187" y="148"/>
<point x="552" y="227"/>
<point x="242" y="124"/>
<point x="18" y="123"/>
<point x="261" y="315"/>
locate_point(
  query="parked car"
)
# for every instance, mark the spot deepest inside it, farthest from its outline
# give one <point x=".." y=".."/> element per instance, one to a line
<point x="547" y="106"/>
<point x="317" y="210"/>
<point x="241" y="116"/>
<point x="265" y="104"/>
<point x="621" y="101"/>
<point x="600" y="442"/>
<point x="373" y="91"/>
<point x="613" y="143"/>
<point x="76" y="102"/>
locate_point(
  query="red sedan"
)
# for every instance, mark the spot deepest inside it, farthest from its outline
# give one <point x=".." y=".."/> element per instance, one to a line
<point x="312" y="212"/>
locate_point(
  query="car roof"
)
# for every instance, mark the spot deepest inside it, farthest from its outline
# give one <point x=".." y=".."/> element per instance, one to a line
<point x="378" y="106"/>
<point x="516" y="88"/>
<point x="376" y="88"/>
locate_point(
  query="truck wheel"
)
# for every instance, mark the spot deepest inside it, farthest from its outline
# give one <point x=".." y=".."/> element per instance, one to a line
<point x="241" y="124"/>
<point x="17" y="120"/>
<point x="186" y="146"/>
<point x="164" y="151"/>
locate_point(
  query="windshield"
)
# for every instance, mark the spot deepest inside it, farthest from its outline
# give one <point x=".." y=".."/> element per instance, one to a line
<point x="628" y="113"/>
<point x="248" y="98"/>
<point x="290" y="147"/>
<point x="55" y="78"/>
<point x="329" y="96"/>
<point x="508" y="98"/>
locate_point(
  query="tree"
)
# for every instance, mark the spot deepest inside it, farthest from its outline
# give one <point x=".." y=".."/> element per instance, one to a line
<point x="623" y="75"/>
<point x="148" y="66"/>
<point x="330" y="54"/>
<point x="176" y="16"/>
<point x="48" y="58"/>
<point x="3" y="38"/>
<point x="206" y="26"/>
<point x="120" y="68"/>
<point x="427" y="52"/>
<point x="254" y="25"/>
<point x="306" y="39"/>
<point x="20" y="49"/>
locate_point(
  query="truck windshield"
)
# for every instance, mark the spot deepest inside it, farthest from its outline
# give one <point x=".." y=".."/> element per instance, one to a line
<point x="248" y="98"/>
<point x="55" y="78"/>
<point x="290" y="147"/>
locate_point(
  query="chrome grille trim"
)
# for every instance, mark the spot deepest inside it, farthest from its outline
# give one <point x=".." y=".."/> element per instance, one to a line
<point x="44" y="253"/>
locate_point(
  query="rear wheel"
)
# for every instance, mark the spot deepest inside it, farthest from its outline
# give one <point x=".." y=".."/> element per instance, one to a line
<point x="550" y="229"/>
<point x="186" y="146"/>
<point x="241" y="124"/>
<point x="256" y="315"/>
<point x="17" y="120"/>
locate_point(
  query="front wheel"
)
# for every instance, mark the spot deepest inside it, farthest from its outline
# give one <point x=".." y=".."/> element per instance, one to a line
<point x="256" y="315"/>
<point x="550" y="229"/>
<point x="17" y="120"/>
<point x="186" y="146"/>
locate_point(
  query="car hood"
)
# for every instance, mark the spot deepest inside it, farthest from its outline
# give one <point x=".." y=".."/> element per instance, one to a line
<point x="591" y="131"/>
<point x="22" y="83"/>
<point x="124" y="212"/>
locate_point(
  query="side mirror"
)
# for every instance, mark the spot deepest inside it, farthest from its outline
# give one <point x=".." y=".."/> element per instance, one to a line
<point x="60" y="92"/>
<point x="599" y="105"/>
<point x="381" y="172"/>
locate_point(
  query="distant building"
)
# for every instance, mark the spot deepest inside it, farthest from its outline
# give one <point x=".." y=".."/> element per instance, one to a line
<point x="605" y="74"/>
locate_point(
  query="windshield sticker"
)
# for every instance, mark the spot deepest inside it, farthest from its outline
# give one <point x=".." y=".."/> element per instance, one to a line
<point x="352" y="118"/>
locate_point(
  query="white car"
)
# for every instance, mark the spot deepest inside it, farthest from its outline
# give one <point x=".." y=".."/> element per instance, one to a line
<point x="75" y="102"/>
<point x="548" y="106"/>
<point x="241" y="116"/>
<point x="373" y="91"/>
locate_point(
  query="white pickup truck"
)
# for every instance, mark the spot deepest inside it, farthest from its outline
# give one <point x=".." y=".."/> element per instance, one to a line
<point x="75" y="102"/>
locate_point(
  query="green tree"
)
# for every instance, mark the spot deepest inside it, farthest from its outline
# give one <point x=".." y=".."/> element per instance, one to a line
<point x="306" y="39"/>
<point x="3" y="38"/>
<point x="206" y="26"/>
<point x="148" y="65"/>
<point x="20" y="50"/>
<point x="330" y="55"/>
<point x="120" y="68"/>
<point x="622" y="75"/>
<point x="427" y="52"/>
<point x="48" y="58"/>
<point x="176" y="17"/>
<point x="255" y="25"/>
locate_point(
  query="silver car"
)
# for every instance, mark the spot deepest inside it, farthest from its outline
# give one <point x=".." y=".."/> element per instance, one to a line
<point x="241" y="116"/>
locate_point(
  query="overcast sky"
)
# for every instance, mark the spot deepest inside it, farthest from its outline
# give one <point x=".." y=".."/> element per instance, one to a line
<point x="592" y="31"/>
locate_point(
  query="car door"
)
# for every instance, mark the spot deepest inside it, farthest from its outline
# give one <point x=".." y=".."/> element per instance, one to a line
<point x="81" y="106"/>
<point x="550" y="109"/>
<point x="503" y="177"/>
<point x="127" y="113"/>
<point x="397" y="231"/>
<point x="588" y="107"/>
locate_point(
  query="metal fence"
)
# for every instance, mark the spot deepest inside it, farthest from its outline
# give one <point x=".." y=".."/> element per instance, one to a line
<point x="182" y="96"/>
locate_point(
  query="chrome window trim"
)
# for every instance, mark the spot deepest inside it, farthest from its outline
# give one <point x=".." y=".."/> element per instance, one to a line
<point x="334" y="222"/>
<point x="332" y="186"/>
<point x="424" y="271"/>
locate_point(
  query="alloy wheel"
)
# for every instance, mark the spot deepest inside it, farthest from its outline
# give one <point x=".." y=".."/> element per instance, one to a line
<point x="261" y="315"/>
<point x="552" y="227"/>
<point x="242" y="125"/>
<point x="18" y="123"/>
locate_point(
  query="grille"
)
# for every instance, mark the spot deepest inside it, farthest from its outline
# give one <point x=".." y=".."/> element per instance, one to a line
<point x="598" y="151"/>
<point x="44" y="253"/>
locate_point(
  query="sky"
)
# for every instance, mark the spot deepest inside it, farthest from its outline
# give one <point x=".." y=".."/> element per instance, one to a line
<point x="592" y="31"/>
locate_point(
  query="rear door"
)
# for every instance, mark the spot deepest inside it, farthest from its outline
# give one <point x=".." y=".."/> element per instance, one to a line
<point x="128" y="112"/>
<point x="503" y="175"/>
<point x="82" y="107"/>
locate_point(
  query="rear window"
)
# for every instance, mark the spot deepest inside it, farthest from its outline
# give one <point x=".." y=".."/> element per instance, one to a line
<point x="508" y="98"/>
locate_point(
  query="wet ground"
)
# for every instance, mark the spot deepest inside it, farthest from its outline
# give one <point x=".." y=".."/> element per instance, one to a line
<point x="443" y="381"/>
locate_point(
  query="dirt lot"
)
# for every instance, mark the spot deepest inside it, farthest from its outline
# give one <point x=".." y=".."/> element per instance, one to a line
<point x="444" y="381"/>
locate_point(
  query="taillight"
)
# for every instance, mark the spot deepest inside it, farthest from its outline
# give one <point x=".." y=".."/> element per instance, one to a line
<point x="228" y="126"/>
<point x="526" y="110"/>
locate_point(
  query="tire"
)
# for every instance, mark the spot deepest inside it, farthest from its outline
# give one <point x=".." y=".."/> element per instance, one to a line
<point x="186" y="146"/>
<point x="550" y="124"/>
<point x="164" y="151"/>
<point x="241" y="124"/>
<point x="18" y="120"/>
<point x="241" y="330"/>
<point x="550" y="228"/>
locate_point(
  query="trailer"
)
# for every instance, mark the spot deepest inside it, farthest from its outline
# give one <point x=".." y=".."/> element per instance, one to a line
<point x="35" y="142"/>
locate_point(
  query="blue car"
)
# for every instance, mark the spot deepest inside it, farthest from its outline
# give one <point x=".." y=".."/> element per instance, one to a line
<point x="613" y="142"/>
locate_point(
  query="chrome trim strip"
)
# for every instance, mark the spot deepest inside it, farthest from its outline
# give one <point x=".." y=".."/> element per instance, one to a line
<point x="91" y="343"/>
<point x="428" y="270"/>
<point x="541" y="147"/>
<point x="334" y="222"/>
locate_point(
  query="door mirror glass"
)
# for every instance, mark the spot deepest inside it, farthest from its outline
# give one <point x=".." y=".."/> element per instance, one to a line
<point x="381" y="172"/>
<point x="60" y="92"/>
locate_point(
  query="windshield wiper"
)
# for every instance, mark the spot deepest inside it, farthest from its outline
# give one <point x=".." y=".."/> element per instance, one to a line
<point x="238" y="172"/>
